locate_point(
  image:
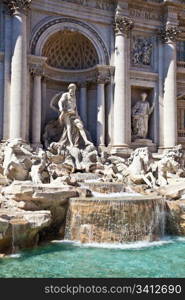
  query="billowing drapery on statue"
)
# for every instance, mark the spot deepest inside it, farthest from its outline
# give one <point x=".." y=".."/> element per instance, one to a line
<point x="73" y="130"/>
<point x="68" y="130"/>
<point x="141" y="112"/>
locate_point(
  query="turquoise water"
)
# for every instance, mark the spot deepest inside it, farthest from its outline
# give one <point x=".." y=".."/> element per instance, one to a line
<point x="72" y="260"/>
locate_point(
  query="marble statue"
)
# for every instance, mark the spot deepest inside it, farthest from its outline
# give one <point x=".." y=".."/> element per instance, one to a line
<point x="67" y="139"/>
<point x="141" y="112"/>
<point x="39" y="173"/>
<point x="140" y="171"/>
<point x="172" y="162"/>
<point x="73" y="129"/>
<point x="17" y="160"/>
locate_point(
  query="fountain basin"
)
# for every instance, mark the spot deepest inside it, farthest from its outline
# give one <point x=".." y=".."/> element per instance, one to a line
<point x="115" y="220"/>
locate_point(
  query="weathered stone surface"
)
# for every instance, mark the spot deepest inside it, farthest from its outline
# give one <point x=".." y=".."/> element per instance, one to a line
<point x="20" y="229"/>
<point x="175" y="217"/>
<point x="173" y="191"/>
<point x="115" y="220"/>
<point x="43" y="196"/>
<point x="105" y="187"/>
<point x="30" y="197"/>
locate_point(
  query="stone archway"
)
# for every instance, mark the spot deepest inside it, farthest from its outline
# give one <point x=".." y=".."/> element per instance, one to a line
<point x="75" y="52"/>
<point x="54" y="25"/>
<point x="70" y="50"/>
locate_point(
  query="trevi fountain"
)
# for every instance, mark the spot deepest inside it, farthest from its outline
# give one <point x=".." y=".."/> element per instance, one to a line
<point x="69" y="190"/>
<point x="92" y="138"/>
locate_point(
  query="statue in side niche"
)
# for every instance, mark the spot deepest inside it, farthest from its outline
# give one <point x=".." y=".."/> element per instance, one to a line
<point x="141" y="112"/>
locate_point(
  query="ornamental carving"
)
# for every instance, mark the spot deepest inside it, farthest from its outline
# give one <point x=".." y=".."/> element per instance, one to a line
<point x="100" y="4"/>
<point x="142" y="49"/>
<point x="15" y="5"/>
<point x="169" y="33"/>
<point x="36" y="69"/>
<point x="103" y="77"/>
<point x="123" y="25"/>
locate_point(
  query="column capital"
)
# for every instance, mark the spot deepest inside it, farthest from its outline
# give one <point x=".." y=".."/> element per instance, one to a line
<point x="16" y="6"/>
<point x="169" y="33"/>
<point x="123" y="25"/>
<point x="36" y="70"/>
<point x="103" y="78"/>
<point x="83" y="84"/>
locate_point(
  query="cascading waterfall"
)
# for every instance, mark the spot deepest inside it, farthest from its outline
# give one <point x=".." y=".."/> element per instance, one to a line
<point x="13" y="238"/>
<point x="115" y="220"/>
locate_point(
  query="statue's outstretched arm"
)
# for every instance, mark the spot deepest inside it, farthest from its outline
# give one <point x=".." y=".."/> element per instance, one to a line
<point x="54" y="102"/>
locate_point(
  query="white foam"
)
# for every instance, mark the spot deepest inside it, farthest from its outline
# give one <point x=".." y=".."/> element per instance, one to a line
<point x="126" y="246"/>
<point x="92" y="181"/>
<point x="114" y="195"/>
<point x="17" y="255"/>
<point x="180" y="239"/>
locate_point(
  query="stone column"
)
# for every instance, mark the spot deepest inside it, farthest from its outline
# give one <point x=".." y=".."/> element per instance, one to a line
<point x="169" y="35"/>
<point x="18" y="9"/>
<point x="100" y="111"/>
<point x="1" y="92"/>
<point x="7" y="74"/>
<point x="123" y="25"/>
<point x="109" y="109"/>
<point x="37" y="72"/>
<point x="83" y="102"/>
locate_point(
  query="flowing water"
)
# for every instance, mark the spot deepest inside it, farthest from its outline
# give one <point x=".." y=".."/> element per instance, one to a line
<point x="115" y="220"/>
<point x="164" y="258"/>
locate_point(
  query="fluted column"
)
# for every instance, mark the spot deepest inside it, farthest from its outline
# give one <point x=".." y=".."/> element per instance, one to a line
<point x="18" y="9"/>
<point x="83" y="102"/>
<point x="169" y="35"/>
<point x="1" y="92"/>
<point x="7" y="74"/>
<point x="100" y="111"/>
<point x="37" y="73"/>
<point x="123" y="25"/>
<point x="109" y="110"/>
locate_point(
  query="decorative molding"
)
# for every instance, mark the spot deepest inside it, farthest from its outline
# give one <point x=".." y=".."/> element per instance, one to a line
<point x="53" y="22"/>
<point x="17" y="5"/>
<point x="89" y="75"/>
<point x="169" y="33"/>
<point x="123" y="25"/>
<point x="145" y="13"/>
<point x="100" y="4"/>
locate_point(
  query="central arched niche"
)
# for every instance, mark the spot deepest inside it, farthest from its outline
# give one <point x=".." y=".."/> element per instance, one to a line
<point x="72" y="53"/>
<point x="69" y="50"/>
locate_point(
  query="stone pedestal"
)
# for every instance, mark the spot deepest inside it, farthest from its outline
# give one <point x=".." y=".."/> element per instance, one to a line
<point x="139" y="143"/>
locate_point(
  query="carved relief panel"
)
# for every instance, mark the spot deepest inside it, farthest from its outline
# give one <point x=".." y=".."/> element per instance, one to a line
<point x="142" y="51"/>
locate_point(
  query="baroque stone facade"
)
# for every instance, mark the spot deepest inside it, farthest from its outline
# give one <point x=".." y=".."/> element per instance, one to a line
<point x="113" y="51"/>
